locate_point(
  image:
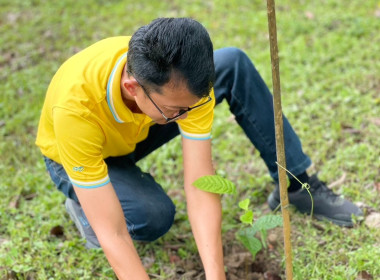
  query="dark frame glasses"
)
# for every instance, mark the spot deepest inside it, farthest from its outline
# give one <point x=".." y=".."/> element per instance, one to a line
<point x="180" y="113"/>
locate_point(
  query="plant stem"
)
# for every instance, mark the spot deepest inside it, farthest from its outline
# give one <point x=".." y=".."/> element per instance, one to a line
<point x="280" y="136"/>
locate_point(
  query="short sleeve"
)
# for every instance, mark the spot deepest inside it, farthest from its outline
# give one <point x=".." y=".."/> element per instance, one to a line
<point x="80" y="142"/>
<point x="198" y="123"/>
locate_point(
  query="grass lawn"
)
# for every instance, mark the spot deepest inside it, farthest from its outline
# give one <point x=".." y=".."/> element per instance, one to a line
<point x="330" y="80"/>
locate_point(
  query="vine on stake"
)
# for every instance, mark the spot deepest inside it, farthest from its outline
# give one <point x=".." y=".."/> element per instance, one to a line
<point x="305" y="186"/>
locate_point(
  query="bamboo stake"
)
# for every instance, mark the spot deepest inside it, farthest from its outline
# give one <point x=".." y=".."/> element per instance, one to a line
<point x="280" y="136"/>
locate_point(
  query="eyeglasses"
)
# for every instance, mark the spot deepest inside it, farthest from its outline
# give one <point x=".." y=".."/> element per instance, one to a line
<point x="180" y="113"/>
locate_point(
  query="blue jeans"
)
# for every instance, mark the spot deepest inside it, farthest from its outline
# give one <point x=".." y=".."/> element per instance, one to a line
<point x="148" y="211"/>
<point x="250" y="100"/>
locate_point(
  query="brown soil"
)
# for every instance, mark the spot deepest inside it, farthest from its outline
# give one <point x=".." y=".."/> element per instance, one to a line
<point x="238" y="262"/>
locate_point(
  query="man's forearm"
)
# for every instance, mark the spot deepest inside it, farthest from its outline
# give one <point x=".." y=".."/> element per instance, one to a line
<point x="123" y="257"/>
<point x="104" y="212"/>
<point x="204" y="208"/>
<point x="205" y="216"/>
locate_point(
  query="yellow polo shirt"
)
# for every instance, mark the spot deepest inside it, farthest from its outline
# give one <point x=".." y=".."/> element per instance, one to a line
<point x="84" y="120"/>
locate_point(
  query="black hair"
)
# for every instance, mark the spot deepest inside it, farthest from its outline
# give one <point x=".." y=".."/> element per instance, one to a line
<point x="172" y="46"/>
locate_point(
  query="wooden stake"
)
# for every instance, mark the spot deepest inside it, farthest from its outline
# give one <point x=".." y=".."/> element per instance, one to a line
<point x="279" y="127"/>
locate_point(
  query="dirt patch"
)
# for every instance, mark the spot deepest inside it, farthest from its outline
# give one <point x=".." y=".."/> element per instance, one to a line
<point x="238" y="262"/>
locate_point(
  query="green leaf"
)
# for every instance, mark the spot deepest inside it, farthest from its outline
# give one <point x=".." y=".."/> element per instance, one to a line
<point x="247" y="217"/>
<point x="244" y="204"/>
<point x="215" y="184"/>
<point x="267" y="222"/>
<point x="264" y="235"/>
<point x="246" y="237"/>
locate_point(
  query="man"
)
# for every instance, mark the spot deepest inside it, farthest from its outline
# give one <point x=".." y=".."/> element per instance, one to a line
<point x="118" y="100"/>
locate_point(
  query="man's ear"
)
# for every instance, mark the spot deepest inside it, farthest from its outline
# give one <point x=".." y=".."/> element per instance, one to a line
<point x="130" y="85"/>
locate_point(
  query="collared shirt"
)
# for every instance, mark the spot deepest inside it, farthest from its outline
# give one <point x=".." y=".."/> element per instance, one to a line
<point x="84" y="119"/>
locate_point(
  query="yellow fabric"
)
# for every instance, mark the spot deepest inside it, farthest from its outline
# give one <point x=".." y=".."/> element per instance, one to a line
<point x="84" y="120"/>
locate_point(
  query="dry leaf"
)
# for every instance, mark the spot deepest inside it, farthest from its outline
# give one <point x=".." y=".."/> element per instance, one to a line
<point x="373" y="220"/>
<point x="338" y="182"/>
<point x="174" y="259"/>
<point x="377" y="186"/>
<point x="364" y="275"/>
<point x="15" y="202"/>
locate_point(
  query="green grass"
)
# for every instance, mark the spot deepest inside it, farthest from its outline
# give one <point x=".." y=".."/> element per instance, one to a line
<point x="330" y="79"/>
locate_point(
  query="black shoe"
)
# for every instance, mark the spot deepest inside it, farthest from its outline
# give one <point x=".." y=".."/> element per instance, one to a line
<point x="327" y="204"/>
<point x="77" y="215"/>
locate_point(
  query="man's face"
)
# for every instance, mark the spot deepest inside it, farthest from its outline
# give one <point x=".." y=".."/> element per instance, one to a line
<point x="163" y="107"/>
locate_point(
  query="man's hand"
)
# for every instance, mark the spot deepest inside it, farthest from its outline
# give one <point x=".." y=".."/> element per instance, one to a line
<point x="104" y="212"/>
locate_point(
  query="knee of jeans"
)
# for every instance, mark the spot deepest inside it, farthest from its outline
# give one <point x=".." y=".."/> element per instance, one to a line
<point x="156" y="220"/>
<point x="232" y="57"/>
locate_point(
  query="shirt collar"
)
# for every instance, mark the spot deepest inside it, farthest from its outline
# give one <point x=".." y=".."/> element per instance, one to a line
<point x="119" y="110"/>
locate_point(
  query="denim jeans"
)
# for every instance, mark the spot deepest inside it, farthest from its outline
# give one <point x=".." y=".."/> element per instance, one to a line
<point x="250" y="100"/>
<point x="148" y="211"/>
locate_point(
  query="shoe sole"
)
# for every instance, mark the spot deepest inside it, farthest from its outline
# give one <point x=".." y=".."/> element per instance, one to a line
<point x="273" y="204"/>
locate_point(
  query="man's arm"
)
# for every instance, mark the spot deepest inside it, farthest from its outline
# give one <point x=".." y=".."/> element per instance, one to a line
<point x="104" y="212"/>
<point x="204" y="208"/>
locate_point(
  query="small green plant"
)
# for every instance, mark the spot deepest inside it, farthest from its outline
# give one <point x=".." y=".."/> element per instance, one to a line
<point x="246" y="235"/>
<point x="218" y="184"/>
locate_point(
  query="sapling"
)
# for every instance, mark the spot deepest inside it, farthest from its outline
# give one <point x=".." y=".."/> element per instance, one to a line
<point x="246" y="235"/>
